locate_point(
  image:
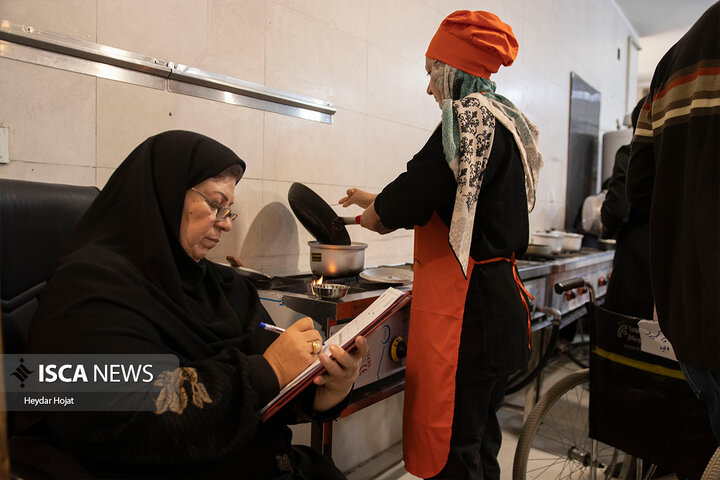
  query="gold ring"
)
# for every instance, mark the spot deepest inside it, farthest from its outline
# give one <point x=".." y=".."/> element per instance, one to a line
<point x="316" y="347"/>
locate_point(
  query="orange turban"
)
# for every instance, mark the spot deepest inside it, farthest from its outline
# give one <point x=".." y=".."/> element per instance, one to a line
<point x="475" y="42"/>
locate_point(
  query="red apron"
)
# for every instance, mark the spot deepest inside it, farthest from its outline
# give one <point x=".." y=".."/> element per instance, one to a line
<point x="436" y="316"/>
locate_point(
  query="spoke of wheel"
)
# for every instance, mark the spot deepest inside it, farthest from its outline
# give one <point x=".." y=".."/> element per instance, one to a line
<point x="547" y="467"/>
<point x="554" y="425"/>
<point x="544" y="459"/>
<point x="555" y="439"/>
<point x="557" y="434"/>
<point x="579" y="394"/>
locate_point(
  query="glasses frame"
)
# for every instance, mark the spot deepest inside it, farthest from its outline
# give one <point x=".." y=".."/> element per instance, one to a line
<point x="222" y="213"/>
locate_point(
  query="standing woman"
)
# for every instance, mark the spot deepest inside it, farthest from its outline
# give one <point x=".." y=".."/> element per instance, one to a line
<point x="467" y="194"/>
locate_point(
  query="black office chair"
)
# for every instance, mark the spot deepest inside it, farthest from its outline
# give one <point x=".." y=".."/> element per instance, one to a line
<point x="35" y="220"/>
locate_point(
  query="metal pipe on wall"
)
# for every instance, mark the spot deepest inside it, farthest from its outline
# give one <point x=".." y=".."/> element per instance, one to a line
<point x="27" y="44"/>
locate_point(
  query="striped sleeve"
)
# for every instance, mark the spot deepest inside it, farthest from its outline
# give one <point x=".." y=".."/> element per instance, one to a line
<point x="692" y="91"/>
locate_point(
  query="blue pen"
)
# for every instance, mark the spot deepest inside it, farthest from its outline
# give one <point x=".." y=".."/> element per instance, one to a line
<point x="275" y="329"/>
<point x="271" y="328"/>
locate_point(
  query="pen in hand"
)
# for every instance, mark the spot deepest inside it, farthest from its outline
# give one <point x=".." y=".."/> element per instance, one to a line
<point x="271" y="328"/>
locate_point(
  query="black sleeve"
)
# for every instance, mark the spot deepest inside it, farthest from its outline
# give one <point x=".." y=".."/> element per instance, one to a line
<point x="615" y="208"/>
<point x="301" y="410"/>
<point x="641" y="166"/>
<point x="641" y="176"/>
<point x="427" y="186"/>
<point x="237" y="386"/>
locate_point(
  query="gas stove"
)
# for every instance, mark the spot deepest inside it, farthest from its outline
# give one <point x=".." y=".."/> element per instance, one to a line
<point x="293" y="293"/>
<point x="289" y="298"/>
<point x="595" y="266"/>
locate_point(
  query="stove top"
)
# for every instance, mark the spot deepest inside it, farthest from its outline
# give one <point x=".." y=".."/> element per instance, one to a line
<point x="301" y="284"/>
<point x="585" y="251"/>
<point x="291" y="295"/>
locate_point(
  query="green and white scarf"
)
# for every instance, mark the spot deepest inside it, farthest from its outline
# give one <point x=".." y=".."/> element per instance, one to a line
<point x="468" y="129"/>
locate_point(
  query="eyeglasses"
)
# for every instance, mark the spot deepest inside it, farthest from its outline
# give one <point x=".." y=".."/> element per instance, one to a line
<point x="222" y="212"/>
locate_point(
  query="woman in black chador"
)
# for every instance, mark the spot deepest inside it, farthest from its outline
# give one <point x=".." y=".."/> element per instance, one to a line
<point x="133" y="279"/>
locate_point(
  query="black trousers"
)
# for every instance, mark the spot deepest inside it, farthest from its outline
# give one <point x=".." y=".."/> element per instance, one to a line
<point x="476" y="434"/>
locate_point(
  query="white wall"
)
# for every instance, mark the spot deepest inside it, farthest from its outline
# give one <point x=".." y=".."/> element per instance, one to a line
<point x="653" y="48"/>
<point x="364" y="56"/>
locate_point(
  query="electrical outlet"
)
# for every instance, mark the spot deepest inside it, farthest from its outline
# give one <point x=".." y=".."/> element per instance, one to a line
<point x="4" y="142"/>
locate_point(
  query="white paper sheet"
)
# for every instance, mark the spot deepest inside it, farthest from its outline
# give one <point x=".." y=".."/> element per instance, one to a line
<point x="653" y="341"/>
<point x="342" y="337"/>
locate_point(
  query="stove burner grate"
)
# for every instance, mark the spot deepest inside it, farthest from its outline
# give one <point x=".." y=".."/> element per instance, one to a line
<point x="301" y="284"/>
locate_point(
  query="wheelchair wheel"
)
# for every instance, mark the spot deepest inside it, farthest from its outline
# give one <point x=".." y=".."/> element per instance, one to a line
<point x="554" y="442"/>
<point x="712" y="471"/>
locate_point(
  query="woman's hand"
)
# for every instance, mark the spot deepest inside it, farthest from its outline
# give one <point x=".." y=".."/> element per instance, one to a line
<point x="342" y="370"/>
<point x="292" y="352"/>
<point x="358" y="197"/>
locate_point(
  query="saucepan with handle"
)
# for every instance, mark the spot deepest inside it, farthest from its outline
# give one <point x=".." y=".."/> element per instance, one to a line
<point x="318" y="217"/>
<point x="334" y="254"/>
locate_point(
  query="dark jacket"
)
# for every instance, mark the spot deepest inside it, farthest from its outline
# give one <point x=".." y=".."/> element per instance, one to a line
<point x="674" y="175"/>
<point x="629" y="290"/>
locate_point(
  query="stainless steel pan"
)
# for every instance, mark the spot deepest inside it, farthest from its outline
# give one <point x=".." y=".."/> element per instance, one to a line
<point x="337" y="260"/>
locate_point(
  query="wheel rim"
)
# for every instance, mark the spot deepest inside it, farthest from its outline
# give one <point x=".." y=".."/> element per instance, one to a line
<point x="561" y="447"/>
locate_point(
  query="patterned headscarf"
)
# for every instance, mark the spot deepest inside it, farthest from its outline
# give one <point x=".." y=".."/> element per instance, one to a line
<point x="470" y="108"/>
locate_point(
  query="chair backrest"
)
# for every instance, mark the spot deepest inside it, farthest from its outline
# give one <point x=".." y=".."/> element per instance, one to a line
<point x="640" y="403"/>
<point x="35" y="220"/>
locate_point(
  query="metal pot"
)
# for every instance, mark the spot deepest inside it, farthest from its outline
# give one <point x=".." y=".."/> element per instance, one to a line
<point x="535" y="250"/>
<point x="572" y="242"/>
<point x="554" y="239"/>
<point x="337" y="260"/>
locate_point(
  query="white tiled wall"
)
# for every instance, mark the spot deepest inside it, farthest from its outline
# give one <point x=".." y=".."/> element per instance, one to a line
<point x="364" y="56"/>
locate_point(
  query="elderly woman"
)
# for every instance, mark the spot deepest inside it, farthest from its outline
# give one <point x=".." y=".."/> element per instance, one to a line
<point x="467" y="194"/>
<point x="133" y="279"/>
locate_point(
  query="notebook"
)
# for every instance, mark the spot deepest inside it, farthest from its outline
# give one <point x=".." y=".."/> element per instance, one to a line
<point x="382" y="308"/>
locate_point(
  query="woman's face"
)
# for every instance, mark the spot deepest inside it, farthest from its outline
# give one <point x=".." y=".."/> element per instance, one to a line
<point x="200" y="230"/>
<point x="432" y="89"/>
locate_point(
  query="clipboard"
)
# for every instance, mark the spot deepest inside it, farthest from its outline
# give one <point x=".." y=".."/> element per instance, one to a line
<point x="364" y="324"/>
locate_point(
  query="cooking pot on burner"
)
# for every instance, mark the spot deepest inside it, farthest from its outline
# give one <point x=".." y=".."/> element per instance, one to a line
<point x="337" y="260"/>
